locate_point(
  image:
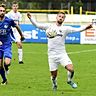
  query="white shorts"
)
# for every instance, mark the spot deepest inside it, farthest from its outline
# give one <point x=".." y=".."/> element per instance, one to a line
<point x="62" y="59"/>
<point x="16" y="35"/>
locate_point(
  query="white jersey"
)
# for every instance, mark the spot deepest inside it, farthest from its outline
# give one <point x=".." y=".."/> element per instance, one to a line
<point x="17" y="18"/>
<point x="56" y="45"/>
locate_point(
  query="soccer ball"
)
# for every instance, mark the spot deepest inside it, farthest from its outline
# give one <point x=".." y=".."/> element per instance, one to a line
<point x="51" y="33"/>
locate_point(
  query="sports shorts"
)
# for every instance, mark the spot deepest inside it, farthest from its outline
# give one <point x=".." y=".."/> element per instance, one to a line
<point x="6" y="51"/>
<point x="54" y="61"/>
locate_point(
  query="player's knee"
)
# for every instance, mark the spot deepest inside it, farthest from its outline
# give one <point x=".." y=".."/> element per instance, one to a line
<point x="7" y="61"/>
<point x="69" y="68"/>
<point x="19" y="45"/>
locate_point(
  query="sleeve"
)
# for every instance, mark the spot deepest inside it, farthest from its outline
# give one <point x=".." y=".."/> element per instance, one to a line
<point x="39" y="25"/>
<point x="72" y="29"/>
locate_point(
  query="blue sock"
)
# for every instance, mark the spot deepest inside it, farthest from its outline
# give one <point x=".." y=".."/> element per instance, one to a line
<point x="2" y="72"/>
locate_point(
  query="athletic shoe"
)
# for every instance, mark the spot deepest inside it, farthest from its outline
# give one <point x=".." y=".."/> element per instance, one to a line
<point x="21" y="62"/>
<point x="54" y="84"/>
<point x="73" y="85"/>
<point x="4" y="82"/>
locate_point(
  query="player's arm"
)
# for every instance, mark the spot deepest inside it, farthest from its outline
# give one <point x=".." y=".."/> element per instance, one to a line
<point x="87" y="27"/>
<point x="39" y="25"/>
<point x="20" y="32"/>
<point x="81" y="29"/>
<point x="13" y="24"/>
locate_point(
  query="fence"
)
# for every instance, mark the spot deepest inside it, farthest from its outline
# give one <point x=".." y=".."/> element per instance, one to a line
<point x="49" y="16"/>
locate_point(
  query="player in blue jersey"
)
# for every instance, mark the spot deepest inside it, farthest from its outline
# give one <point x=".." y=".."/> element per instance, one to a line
<point x="5" y="42"/>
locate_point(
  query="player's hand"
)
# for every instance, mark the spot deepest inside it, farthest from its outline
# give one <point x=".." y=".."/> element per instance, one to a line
<point x="89" y="26"/>
<point x="22" y="38"/>
<point x="29" y="15"/>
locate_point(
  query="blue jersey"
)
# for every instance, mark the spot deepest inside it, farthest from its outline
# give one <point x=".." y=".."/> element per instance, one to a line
<point x="5" y="37"/>
<point x="6" y="30"/>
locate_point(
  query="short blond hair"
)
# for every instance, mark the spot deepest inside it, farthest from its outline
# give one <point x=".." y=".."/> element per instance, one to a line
<point x="14" y="2"/>
<point x="61" y="12"/>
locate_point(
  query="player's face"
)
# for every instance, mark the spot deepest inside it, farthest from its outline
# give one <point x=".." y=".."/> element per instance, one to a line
<point x="2" y="12"/>
<point x="60" y="18"/>
<point x="15" y="7"/>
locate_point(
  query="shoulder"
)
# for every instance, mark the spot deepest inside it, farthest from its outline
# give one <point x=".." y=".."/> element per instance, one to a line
<point x="18" y="13"/>
<point x="8" y="19"/>
<point x="10" y="12"/>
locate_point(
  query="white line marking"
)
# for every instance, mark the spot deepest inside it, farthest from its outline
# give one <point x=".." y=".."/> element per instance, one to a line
<point x="26" y="52"/>
<point x="76" y="52"/>
<point x="83" y="51"/>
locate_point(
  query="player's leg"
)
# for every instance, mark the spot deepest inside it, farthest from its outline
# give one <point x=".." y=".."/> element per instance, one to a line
<point x="7" y="62"/>
<point x="67" y="63"/>
<point x="7" y="57"/>
<point x="19" y="45"/>
<point x="2" y="71"/>
<point x="54" y="79"/>
<point x="20" y="52"/>
<point x="70" y="72"/>
<point x="53" y="69"/>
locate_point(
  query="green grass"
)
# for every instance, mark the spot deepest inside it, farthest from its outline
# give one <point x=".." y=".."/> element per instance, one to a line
<point x="33" y="78"/>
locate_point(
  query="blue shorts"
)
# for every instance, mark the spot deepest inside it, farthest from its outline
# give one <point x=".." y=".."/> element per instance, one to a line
<point x="6" y="51"/>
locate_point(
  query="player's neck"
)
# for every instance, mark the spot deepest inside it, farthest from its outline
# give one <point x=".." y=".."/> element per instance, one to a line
<point x="58" y="24"/>
<point x="15" y="11"/>
<point x="2" y="18"/>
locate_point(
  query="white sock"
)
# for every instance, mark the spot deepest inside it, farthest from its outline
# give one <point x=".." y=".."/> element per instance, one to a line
<point x="69" y="75"/>
<point x="20" y="54"/>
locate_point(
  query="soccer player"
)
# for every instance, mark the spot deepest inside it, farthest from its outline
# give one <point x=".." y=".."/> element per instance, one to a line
<point x="56" y="47"/>
<point x="16" y="16"/>
<point x="5" y="42"/>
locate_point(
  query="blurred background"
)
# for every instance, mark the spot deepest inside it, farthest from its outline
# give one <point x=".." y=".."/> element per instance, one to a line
<point x="87" y="5"/>
<point x="47" y="7"/>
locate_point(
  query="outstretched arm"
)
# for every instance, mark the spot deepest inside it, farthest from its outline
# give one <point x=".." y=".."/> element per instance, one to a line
<point x="81" y="29"/>
<point x="87" y="27"/>
<point x="39" y="25"/>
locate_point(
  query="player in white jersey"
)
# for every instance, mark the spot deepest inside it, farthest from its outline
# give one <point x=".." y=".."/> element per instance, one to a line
<point x="56" y="47"/>
<point x="16" y="16"/>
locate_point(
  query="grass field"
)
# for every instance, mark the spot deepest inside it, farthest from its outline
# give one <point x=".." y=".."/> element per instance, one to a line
<point x="33" y="77"/>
